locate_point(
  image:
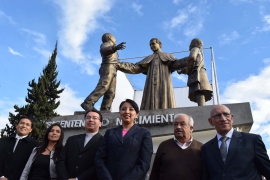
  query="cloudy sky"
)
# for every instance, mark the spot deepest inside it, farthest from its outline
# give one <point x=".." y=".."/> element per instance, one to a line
<point x="238" y="31"/>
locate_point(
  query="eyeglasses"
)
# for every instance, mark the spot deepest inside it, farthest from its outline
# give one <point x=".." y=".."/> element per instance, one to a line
<point x="218" y="116"/>
<point x="91" y="117"/>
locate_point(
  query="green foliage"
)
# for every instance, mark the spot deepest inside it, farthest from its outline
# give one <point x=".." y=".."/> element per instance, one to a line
<point x="41" y="100"/>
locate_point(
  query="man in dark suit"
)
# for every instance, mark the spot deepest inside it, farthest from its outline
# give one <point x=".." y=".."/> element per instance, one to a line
<point x="239" y="156"/>
<point x="16" y="149"/>
<point x="77" y="159"/>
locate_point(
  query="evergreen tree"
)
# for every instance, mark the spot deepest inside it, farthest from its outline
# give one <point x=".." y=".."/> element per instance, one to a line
<point x="41" y="100"/>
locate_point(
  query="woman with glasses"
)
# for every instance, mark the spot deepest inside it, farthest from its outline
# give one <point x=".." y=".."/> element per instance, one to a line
<point x="41" y="163"/>
<point x="125" y="151"/>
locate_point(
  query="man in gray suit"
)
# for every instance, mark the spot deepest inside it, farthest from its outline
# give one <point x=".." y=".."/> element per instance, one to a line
<point x="231" y="154"/>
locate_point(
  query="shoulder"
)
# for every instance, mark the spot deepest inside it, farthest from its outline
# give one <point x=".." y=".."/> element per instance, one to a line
<point x="74" y="137"/>
<point x="207" y="144"/>
<point x="244" y="135"/>
<point x="31" y="141"/>
<point x="5" y="139"/>
<point x="142" y="130"/>
<point x="197" y="143"/>
<point x="105" y="44"/>
<point x="111" y="130"/>
<point x="167" y="56"/>
<point x="98" y="136"/>
<point x="167" y="142"/>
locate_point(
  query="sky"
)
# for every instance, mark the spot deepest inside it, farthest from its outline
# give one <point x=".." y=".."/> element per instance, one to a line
<point x="237" y="30"/>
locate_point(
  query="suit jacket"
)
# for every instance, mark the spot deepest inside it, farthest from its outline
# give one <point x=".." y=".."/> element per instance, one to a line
<point x="247" y="159"/>
<point x="12" y="163"/>
<point x="76" y="160"/>
<point x="126" y="158"/>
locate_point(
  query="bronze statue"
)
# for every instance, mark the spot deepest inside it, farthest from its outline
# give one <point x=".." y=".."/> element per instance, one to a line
<point x="107" y="81"/>
<point x="158" y="91"/>
<point x="200" y="89"/>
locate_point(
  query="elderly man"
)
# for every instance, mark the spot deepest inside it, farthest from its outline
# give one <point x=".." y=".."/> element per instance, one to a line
<point x="77" y="159"/>
<point x="231" y="154"/>
<point x="179" y="157"/>
<point x="16" y="149"/>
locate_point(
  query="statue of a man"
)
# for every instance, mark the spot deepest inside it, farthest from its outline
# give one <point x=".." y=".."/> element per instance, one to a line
<point x="200" y="89"/>
<point x="158" y="91"/>
<point x="107" y="81"/>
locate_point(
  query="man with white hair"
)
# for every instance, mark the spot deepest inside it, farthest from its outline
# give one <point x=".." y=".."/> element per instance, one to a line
<point x="179" y="157"/>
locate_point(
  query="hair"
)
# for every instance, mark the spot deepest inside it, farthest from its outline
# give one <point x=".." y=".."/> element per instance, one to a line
<point x="157" y="40"/>
<point x="196" y="42"/>
<point x="190" y="119"/>
<point x="106" y="37"/>
<point x="133" y="104"/>
<point x="58" y="146"/>
<point x="26" y="117"/>
<point x="96" y="111"/>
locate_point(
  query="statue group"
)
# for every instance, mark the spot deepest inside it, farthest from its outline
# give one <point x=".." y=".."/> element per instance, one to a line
<point x="158" y="91"/>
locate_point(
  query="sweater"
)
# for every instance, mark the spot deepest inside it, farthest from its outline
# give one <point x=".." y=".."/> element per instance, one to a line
<point x="172" y="162"/>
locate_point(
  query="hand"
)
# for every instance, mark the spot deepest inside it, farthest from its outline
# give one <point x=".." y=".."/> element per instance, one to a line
<point x="3" y="178"/>
<point x="183" y="71"/>
<point x="120" y="46"/>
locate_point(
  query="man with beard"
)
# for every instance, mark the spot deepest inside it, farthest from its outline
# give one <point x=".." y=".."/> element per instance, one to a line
<point x="179" y="157"/>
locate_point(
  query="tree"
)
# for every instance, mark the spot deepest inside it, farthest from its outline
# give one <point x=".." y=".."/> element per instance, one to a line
<point x="41" y="100"/>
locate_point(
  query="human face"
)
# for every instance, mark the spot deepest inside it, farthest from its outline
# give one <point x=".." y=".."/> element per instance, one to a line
<point x="54" y="134"/>
<point x="154" y="46"/>
<point x="221" y="119"/>
<point x="24" y="127"/>
<point x="113" y="40"/>
<point x="182" y="129"/>
<point x="92" y="122"/>
<point x="128" y="113"/>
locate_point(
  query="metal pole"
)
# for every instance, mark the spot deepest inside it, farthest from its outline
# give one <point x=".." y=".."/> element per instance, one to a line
<point x="214" y="74"/>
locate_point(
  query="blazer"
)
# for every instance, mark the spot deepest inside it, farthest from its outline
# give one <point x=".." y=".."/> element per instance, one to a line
<point x="31" y="159"/>
<point x="12" y="163"/>
<point x="126" y="158"/>
<point x="247" y="159"/>
<point x="75" y="160"/>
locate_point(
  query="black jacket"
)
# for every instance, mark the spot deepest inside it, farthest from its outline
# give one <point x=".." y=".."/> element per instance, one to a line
<point x="12" y="163"/>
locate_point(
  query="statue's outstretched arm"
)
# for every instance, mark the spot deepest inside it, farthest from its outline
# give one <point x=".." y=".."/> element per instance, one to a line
<point x="131" y="68"/>
<point x="179" y="64"/>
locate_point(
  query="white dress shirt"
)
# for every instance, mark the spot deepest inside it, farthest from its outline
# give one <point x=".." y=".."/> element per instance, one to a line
<point x="185" y="145"/>
<point x="229" y="135"/>
<point x="88" y="136"/>
<point x="18" y="138"/>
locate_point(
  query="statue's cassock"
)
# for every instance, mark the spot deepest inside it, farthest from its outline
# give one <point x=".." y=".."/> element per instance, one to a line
<point x="158" y="91"/>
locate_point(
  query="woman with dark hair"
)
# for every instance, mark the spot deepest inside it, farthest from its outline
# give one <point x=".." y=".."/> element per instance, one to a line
<point x="41" y="163"/>
<point x="125" y="151"/>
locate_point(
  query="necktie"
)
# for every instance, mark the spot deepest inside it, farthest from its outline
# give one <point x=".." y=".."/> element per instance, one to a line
<point x="16" y="143"/>
<point x="223" y="148"/>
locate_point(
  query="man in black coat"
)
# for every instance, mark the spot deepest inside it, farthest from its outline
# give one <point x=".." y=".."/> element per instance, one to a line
<point x="16" y="149"/>
<point x="77" y="159"/>
<point x="240" y="156"/>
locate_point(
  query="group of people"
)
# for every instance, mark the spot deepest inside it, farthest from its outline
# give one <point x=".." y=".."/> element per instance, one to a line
<point x="125" y="152"/>
<point x="158" y="91"/>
